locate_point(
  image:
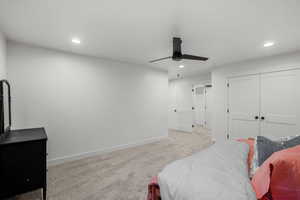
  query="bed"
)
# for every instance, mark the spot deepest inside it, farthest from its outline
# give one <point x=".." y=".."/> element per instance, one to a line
<point x="219" y="172"/>
<point x="223" y="171"/>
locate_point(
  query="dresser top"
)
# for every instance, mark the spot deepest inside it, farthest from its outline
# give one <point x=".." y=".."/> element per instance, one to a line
<point x="24" y="135"/>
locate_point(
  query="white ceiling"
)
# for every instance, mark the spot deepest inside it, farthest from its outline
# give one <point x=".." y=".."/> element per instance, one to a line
<point x="140" y="30"/>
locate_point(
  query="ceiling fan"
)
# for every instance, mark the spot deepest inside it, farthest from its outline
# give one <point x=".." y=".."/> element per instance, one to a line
<point x="177" y="54"/>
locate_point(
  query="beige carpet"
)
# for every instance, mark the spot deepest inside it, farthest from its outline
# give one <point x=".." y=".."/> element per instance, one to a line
<point x="120" y="175"/>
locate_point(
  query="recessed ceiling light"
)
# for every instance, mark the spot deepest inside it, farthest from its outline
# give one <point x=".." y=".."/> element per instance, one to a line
<point x="76" y="40"/>
<point x="268" y="44"/>
<point x="181" y="66"/>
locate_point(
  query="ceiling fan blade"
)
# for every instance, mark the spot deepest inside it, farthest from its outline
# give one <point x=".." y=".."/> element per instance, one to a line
<point x="191" y="57"/>
<point x="152" y="61"/>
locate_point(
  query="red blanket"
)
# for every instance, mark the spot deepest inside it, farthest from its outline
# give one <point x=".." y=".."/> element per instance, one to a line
<point x="279" y="174"/>
<point x="153" y="190"/>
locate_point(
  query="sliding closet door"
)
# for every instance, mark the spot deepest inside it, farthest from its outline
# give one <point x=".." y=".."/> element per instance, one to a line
<point x="280" y="104"/>
<point x="243" y="105"/>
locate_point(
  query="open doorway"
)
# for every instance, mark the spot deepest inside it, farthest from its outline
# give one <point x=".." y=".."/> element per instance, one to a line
<point x="190" y="105"/>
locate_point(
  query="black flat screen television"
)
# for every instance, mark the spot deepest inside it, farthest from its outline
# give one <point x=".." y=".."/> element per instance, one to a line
<point x="5" y="108"/>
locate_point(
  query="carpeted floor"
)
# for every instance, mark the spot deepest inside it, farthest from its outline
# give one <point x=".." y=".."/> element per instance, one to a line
<point x="120" y="175"/>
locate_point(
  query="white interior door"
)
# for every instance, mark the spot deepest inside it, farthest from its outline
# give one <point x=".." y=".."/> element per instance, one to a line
<point x="208" y="108"/>
<point x="280" y="103"/>
<point x="184" y="107"/>
<point x="243" y="105"/>
<point x="199" y="104"/>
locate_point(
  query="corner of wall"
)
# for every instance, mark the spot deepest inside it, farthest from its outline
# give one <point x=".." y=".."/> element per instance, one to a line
<point x="2" y="56"/>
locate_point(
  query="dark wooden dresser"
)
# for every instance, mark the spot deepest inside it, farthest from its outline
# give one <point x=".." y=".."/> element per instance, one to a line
<point x="23" y="163"/>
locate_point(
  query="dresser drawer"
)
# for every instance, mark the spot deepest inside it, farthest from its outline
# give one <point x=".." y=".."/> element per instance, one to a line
<point x="22" y="168"/>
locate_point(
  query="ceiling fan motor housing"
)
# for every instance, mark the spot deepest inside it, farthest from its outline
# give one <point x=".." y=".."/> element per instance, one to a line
<point x="177" y="49"/>
<point x="177" y="56"/>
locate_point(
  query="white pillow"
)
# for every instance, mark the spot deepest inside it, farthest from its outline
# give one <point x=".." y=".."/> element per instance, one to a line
<point x="218" y="172"/>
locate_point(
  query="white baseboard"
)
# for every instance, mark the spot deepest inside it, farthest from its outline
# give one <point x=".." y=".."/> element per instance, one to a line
<point x="73" y="157"/>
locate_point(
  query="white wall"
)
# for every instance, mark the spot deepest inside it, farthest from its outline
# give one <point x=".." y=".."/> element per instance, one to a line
<point x="86" y="104"/>
<point x="221" y="74"/>
<point x="2" y="56"/>
<point x="182" y="83"/>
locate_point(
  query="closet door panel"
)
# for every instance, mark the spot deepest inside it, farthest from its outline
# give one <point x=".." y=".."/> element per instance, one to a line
<point x="243" y="104"/>
<point x="279" y="103"/>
